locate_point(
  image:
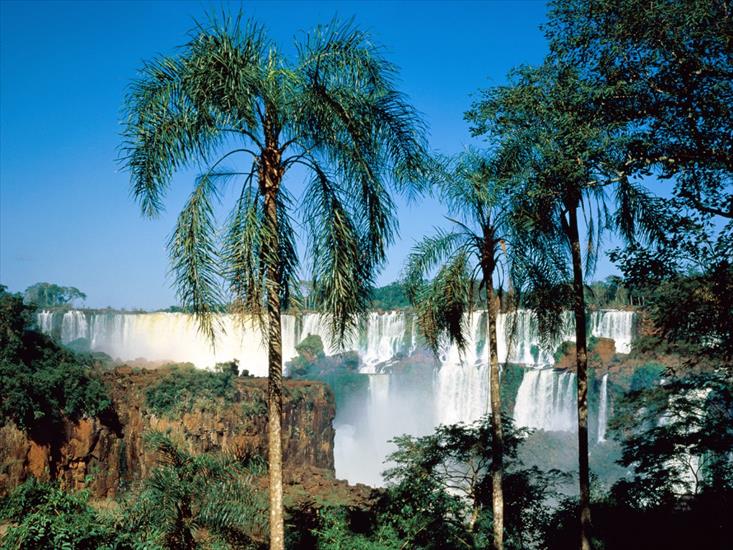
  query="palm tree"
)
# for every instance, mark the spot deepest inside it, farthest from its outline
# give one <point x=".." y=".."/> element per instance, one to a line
<point x="187" y="494"/>
<point x="565" y="152"/>
<point x="232" y="103"/>
<point x="468" y="258"/>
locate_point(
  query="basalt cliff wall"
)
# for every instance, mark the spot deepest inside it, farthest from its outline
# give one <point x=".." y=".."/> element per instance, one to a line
<point x="108" y="453"/>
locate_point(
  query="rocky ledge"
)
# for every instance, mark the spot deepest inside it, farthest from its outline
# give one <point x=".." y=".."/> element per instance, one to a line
<point x="106" y="454"/>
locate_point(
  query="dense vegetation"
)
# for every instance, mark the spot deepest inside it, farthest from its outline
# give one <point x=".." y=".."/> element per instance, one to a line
<point x="186" y="387"/>
<point x="187" y="501"/>
<point x="42" y="384"/>
<point x="52" y="295"/>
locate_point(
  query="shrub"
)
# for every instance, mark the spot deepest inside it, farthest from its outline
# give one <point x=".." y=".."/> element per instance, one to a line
<point x="186" y="388"/>
<point x="42" y="383"/>
<point x="43" y="516"/>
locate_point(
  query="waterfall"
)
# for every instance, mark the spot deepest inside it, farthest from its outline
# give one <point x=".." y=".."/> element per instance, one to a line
<point x="603" y="409"/>
<point x="459" y="391"/>
<point x="546" y="401"/>
<point x="73" y="326"/>
<point x="383" y="336"/>
<point x="175" y="337"/>
<point x="360" y="450"/>
<point x="45" y="322"/>
<point x="617" y="325"/>
<point x="462" y="393"/>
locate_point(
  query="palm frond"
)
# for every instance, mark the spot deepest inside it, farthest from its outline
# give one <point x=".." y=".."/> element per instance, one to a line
<point x="163" y="131"/>
<point x="193" y="249"/>
<point x="241" y="255"/>
<point x="442" y="305"/>
<point x="425" y="256"/>
<point x="637" y="213"/>
<point x="342" y="275"/>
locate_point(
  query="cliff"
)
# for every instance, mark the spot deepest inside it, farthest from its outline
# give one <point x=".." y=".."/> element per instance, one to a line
<point x="108" y="453"/>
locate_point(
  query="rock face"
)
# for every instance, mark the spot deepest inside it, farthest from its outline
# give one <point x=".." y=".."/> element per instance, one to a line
<point x="599" y="357"/>
<point x="109" y="453"/>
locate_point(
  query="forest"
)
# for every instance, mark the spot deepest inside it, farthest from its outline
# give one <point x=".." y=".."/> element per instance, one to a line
<point x="622" y="134"/>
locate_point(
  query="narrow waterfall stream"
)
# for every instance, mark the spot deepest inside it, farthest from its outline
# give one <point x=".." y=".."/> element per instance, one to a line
<point x="603" y="409"/>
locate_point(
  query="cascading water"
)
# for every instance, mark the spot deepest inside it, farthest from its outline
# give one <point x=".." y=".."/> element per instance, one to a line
<point x="73" y="324"/>
<point x="175" y="337"/>
<point x="460" y="388"/>
<point x="360" y="450"/>
<point x="462" y="393"/>
<point x="603" y="409"/>
<point x="546" y="401"/>
<point x="617" y="325"/>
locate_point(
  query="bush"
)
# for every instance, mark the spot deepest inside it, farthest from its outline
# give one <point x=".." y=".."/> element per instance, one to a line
<point x="42" y="383"/>
<point x="43" y="516"/>
<point x="646" y="376"/>
<point x="194" y="501"/>
<point x="186" y="388"/>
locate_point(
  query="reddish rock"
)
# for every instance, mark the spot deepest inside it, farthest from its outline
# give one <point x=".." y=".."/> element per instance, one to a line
<point x="105" y="454"/>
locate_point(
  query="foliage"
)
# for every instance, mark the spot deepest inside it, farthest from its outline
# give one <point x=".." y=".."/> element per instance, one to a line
<point x="438" y="494"/>
<point x="646" y="376"/>
<point x="204" y="501"/>
<point x="189" y="498"/>
<point x="186" y="388"/>
<point x="232" y="95"/>
<point x="663" y="70"/>
<point x="51" y="295"/>
<point x="310" y="352"/>
<point x="389" y="297"/>
<point x="42" y="383"/>
<point x="43" y="516"/>
<point x="678" y="436"/>
<point x="340" y="372"/>
<point x="695" y="312"/>
<point x="610" y="294"/>
<point x="467" y="258"/>
<point x="676" y="440"/>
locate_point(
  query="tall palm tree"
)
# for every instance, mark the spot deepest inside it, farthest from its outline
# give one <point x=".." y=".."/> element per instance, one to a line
<point x="568" y="166"/>
<point x="232" y="103"/>
<point x="467" y="258"/>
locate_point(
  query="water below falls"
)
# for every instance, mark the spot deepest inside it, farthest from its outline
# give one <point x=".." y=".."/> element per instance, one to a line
<point x="458" y="391"/>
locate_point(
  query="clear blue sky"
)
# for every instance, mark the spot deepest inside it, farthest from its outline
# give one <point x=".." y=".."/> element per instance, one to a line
<point x="65" y="210"/>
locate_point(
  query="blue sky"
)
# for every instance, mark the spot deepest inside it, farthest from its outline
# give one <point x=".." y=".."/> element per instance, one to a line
<point x="65" y="211"/>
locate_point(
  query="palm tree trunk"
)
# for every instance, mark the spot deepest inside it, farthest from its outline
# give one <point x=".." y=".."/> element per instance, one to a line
<point x="274" y="382"/>
<point x="581" y="357"/>
<point x="497" y="436"/>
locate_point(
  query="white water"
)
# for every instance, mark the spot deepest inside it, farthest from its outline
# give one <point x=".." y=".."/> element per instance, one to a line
<point x="617" y="325"/>
<point x="360" y="450"/>
<point x="460" y="388"/>
<point x="462" y="383"/>
<point x="547" y="401"/>
<point x="175" y="337"/>
<point x="362" y="445"/>
<point x="603" y="409"/>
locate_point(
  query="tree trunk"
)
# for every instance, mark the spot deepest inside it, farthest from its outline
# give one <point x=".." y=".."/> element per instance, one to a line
<point x="581" y="357"/>
<point x="275" y="380"/>
<point x="497" y="436"/>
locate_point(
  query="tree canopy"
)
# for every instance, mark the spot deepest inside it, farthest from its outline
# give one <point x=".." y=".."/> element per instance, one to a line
<point x="52" y="295"/>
